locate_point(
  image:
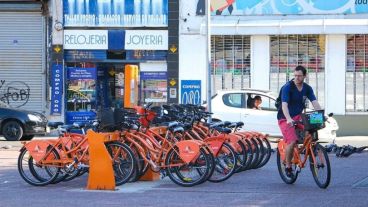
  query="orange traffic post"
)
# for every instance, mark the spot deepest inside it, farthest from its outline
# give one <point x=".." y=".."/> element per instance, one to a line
<point x="131" y="86"/>
<point x="101" y="173"/>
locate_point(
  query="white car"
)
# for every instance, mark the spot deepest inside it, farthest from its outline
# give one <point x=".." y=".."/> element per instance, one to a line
<point x="237" y="105"/>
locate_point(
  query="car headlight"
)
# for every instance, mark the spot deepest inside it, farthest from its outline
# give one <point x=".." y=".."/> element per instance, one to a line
<point x="34" y="118"/>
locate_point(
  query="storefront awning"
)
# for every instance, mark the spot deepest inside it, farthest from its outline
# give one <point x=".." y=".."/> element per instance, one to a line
<point x="297" y="26"/>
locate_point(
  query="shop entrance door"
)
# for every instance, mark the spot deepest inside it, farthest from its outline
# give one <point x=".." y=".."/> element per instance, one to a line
<point x="114" y="87"/>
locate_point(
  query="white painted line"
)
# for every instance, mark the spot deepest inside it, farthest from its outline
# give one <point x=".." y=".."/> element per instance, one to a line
<point x="136" y="187"/>
<point x="363" y="182"/>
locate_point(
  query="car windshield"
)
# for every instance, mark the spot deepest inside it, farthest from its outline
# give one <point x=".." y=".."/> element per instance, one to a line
<point x="4" y="105"/>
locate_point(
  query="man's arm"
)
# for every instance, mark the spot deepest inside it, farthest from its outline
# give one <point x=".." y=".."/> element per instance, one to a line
<point x="285" y="110"/>
<point x="316" y="105"/>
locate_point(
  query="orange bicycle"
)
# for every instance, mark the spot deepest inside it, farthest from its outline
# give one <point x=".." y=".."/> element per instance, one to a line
<point x="307" y="148"/>
<point x="41" y="162"/>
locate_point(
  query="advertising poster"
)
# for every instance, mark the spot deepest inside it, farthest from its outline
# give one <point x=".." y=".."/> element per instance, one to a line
<point x="105" y="13"/>
<point x="191" y="92"/>
<point x="81" y="94"/>
<point x="286" y="7"/>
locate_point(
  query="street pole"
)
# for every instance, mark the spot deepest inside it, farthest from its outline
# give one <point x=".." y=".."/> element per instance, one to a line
<point x="208" y="33"/>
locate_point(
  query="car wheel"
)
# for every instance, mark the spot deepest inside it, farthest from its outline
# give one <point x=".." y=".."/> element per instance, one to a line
<point x="12" y="131"/>
<point x="27" y="137"/>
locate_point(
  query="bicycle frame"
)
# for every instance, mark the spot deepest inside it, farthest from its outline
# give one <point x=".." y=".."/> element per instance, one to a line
<point x="307" y="147"/>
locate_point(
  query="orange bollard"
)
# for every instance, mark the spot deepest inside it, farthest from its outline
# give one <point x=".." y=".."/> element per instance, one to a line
<point x="101" y="173"/>
<point x="150" y="176"/>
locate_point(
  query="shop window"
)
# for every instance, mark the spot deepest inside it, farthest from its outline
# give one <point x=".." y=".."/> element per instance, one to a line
<point x="356" y="73"/>
<point x="289" y="51"/>
<point x="154" y="87"/>
<point x="230" y="61"/>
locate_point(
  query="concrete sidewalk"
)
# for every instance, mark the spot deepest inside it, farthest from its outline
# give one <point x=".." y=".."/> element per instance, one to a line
<point x="356" y="141"/>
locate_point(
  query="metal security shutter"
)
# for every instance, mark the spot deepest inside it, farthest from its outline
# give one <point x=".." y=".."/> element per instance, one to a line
<point x="22" y="60"/>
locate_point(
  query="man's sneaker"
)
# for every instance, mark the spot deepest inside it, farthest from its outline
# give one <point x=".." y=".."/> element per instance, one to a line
<point x="289" y="172"/>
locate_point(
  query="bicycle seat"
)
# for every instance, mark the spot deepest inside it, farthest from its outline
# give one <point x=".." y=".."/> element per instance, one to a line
<point x="67" y="127"/>
<point x="223" y="130"/>
<point x="55" y="124"/>
<point x="172" y="124"/>
<point x="79" y="125"/>
<point x="177" y="129"/>
<point x="216" y="124"/>
<point x="187" y="126"/>
<point x="227" y="123"/>
<point x="239" y="124"/>
<point x="231" y="125"/>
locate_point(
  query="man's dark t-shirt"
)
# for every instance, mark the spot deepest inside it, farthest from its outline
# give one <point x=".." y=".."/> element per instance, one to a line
<point x="295" y="99"/>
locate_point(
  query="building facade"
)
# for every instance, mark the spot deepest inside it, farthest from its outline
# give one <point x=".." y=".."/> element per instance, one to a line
<point x="111" y="54"/>
<point x="23" y="54"/>
<point x="257" y="44"/>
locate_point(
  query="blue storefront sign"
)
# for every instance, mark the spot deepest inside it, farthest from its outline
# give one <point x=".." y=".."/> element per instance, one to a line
<point x="103" y="13"/>
<point x="116" y="39"/>
<point x="56" y="89"/>
<point x="72" y="116"/>
<point x="81" y="73"/>
<point x="153" y="75"/>
<point x="191" y="92"/>
<point x="146" y="55"/>
<point x="84" y="55"/>
<point x="285" y="7"/>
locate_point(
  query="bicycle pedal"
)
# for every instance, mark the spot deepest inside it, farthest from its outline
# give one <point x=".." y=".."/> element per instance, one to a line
<point x="82" y="166"/>
<point x="163" y="174"/>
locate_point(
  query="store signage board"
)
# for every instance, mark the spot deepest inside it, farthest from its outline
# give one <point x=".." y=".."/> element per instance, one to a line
<point x="191" y="92"/>
<point x="81" y="73"/>
<point x="146" y="55"/>
<point x="76" y="116"/>
<point x="115" y="13"/>
<point x="153" y="75"/>
<point x="85" y="39"/>
<point x="56" y="89"/>
<point x="146" y="40"/>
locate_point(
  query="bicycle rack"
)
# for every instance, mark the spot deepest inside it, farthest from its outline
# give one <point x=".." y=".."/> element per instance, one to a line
<point x="101" y="173"/>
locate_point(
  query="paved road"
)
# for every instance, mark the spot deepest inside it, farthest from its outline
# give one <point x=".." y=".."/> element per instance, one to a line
<point x="261" y="187"/>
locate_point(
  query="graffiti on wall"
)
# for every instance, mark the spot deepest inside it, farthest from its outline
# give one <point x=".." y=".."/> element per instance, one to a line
<point x="14" y="93"/>
<point x="282" y="7"/>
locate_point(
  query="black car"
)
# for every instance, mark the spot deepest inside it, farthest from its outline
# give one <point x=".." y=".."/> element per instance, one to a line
<point x="17" y="124"/>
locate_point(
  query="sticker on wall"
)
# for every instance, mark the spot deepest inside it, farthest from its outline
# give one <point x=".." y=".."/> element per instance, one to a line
<point x="173" y="93"/>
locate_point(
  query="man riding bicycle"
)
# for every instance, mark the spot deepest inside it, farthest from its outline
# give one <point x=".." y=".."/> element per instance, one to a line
<point x="293" y="96"/>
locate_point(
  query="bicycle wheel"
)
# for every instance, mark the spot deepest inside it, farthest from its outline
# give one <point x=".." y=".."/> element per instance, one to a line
<point x="124" y="162"/>
<point x="256" y="153"/>
<point x="262" y="151"/>
<point x="225" y="164"/>
<point x="249" y="152"/>
<point x="321" y="170"/>
<point x="267" y="152"/>
<point x="184" y="174"/>
<point x="281" y="167"/>
<point x="34" y="173"/>
<point x="141" y="164"/>
<point x="212" y="164"/>
<point x="241" y="157"/>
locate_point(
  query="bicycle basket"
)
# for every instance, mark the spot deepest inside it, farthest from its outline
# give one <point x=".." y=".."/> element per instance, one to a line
<point x="313" y="120"/>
